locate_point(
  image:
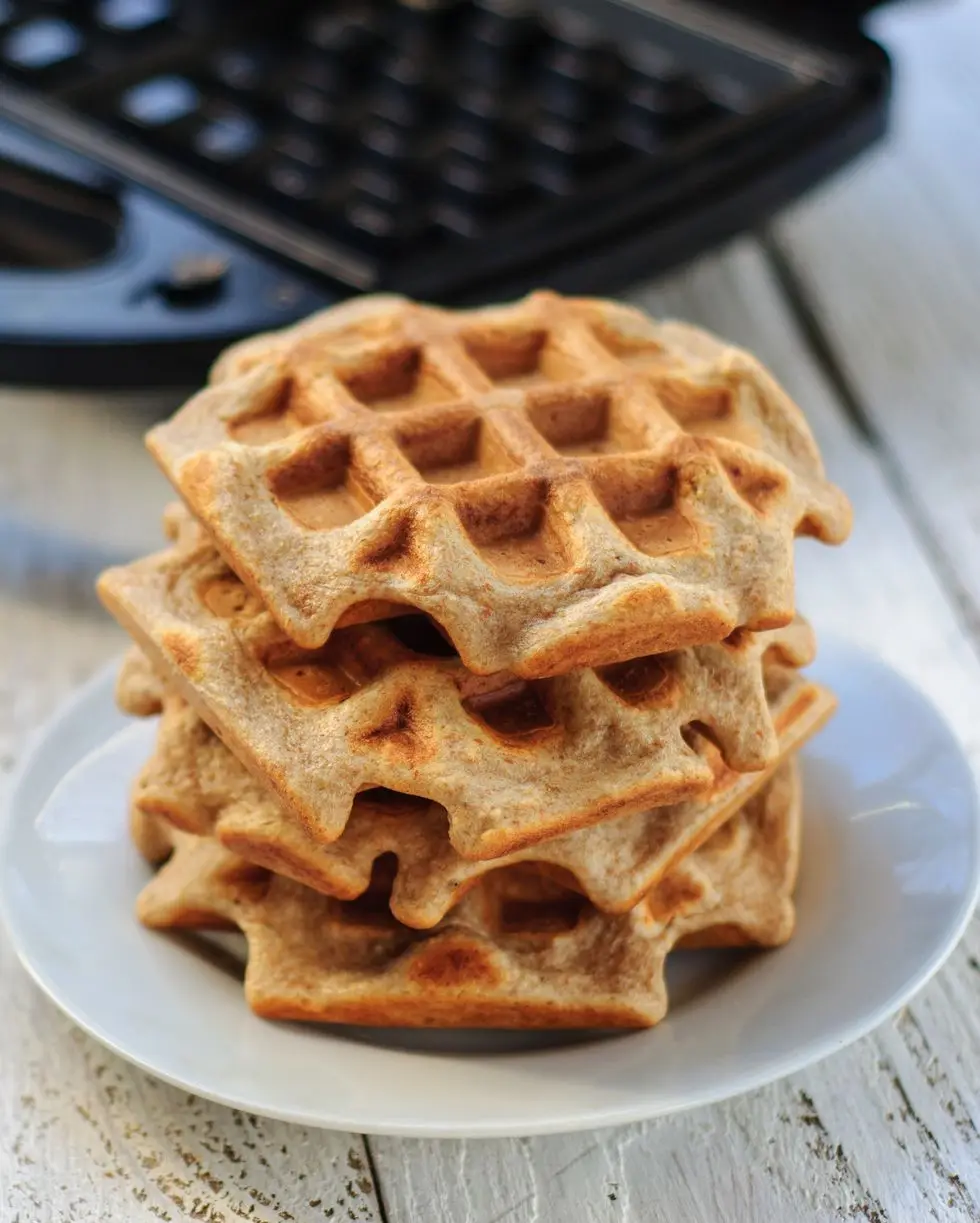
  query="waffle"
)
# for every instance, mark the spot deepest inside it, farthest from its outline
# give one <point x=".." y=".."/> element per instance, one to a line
<point x="390" y="704"/>
<point x="518" y="951"/>
<point x="198" y="785"/>
<point x="559" y="483"/>
<point x="139" y="690"/>
<point x="150" y="834"/>
<point x="188" y="536"/>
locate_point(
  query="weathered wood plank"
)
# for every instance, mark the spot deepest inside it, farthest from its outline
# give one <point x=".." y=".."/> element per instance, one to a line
<point x="83" y="1136"/>
<point x="76" y="463"/>
<point x="886" y="1130"/>
<point x="86" y="1138"/>
<point x="889" y="262"/>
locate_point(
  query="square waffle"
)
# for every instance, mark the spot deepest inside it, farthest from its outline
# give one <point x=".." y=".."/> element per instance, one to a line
<point x="518" y="951"/>
<point x="199" y="786"/>
<point x="390" y="704"/>
<point x="559" y="483"/>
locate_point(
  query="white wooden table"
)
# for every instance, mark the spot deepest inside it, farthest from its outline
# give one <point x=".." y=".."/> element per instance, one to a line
<point x="866" y="302"/>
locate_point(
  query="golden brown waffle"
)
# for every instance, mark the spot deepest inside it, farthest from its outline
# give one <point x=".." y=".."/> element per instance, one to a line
<point x="150" y="834"/>
<point x="559" y="483"/>
<point x="139" y="690"/>
<point x="518" y="951"/>
<point x="183" y="530"/>
<point x="382" y="704"/>
<point x="198" y="785"/>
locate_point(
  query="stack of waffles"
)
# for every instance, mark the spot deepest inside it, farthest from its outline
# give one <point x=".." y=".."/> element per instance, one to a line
<point x="476" y="661"/>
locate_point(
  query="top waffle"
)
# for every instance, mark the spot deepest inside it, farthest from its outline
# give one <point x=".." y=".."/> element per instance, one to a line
<point x="559" y="483"/>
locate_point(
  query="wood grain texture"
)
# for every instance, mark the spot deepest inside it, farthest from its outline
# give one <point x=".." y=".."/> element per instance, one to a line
<point x="84" y="1137"/>
<point x="889" y="264"/>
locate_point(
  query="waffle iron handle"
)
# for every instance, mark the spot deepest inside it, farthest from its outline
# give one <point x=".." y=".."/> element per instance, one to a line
<point x="103" y="283"/>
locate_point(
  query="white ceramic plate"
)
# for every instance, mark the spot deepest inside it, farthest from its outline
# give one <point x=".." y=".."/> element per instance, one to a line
<point x="891" y="863"/>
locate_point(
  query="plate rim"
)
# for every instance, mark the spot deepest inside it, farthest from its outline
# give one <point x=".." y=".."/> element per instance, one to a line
<point x="641" y="1109"/>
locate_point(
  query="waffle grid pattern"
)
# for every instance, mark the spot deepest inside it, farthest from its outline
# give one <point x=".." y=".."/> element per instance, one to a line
<point x="512" y="761"/>
<point x="193" y="781"/>
<point x="558" y="483"/>
<point x="517" y="951"/>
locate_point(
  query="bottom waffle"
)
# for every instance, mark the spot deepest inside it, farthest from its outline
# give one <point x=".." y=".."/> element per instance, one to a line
<point x="518" y="951"/>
